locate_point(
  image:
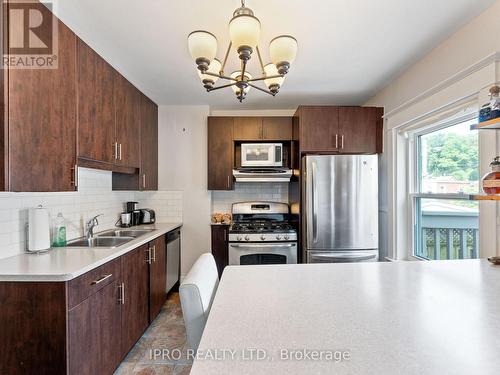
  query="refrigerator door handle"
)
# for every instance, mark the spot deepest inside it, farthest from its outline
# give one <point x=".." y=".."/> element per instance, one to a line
<point x="343" y="257"/>
<point x="314" y="199"/>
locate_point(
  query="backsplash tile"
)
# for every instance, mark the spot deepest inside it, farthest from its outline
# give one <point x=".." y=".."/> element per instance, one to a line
<point x="94" y="196"/>
<point x="251" y="191"/>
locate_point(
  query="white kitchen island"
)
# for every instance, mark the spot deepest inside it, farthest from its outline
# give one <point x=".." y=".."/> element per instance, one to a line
<point x="432" y="318"/>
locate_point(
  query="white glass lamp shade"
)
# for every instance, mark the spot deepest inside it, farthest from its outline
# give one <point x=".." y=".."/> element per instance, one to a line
<point x="237" y="75"/>
<point x="202" y="45"/>
<point x="271" y="70"/>
<point x="214" y="67"/>
<point x="244" y="30"/>
<point x="283" y="49"/>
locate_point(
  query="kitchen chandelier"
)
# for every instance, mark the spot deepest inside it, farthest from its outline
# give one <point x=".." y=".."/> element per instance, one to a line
<point x="244" y="32"/>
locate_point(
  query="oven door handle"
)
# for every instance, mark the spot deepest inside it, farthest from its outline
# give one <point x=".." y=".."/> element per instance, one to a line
<point x="263" y="245"/>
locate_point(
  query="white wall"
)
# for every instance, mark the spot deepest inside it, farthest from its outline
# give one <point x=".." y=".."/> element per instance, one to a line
<point x="182" y="164"/>
<point x="94" y="196"/>
<point x="458" y="69"/>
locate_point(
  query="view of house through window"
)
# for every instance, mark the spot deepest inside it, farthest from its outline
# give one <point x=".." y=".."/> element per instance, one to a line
<point x="448" y="163"/>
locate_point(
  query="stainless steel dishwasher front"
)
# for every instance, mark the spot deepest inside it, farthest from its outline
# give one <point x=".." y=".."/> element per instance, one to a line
<point x="173" y="258"/>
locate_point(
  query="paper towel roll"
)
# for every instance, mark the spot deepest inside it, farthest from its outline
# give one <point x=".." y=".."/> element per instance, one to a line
<point x="38" y="229"/>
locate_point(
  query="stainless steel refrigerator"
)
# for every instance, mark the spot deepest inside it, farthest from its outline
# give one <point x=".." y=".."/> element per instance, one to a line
<point x="340" y="203"/>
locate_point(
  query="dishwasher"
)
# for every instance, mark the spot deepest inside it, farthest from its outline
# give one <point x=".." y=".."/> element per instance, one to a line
<point x="173" y="258"/>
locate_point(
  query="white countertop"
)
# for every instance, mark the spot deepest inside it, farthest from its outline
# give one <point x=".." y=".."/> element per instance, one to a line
<point x="409" y="318"/>
<point x="66" y="263"/>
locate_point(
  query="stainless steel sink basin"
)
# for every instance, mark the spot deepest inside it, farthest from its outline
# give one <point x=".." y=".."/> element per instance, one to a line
<point x="100" y="242"/>
<point x="125" y="233"/>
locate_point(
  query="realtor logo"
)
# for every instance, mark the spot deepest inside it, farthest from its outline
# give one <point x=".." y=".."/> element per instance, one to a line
<point x="30" y="35"/>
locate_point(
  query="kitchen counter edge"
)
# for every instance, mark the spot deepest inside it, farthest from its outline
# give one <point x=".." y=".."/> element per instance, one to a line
<point x="159" y="230"/>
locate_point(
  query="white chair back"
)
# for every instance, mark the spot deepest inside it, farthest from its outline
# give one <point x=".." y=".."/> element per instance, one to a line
<point x="197" y="293"/>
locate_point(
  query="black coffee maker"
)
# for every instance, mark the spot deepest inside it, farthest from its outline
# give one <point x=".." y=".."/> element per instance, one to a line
<point x="135" y="213"/>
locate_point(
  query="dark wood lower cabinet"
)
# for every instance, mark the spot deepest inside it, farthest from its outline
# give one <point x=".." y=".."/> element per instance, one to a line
<point x="85" y="326"/>
<point x="93" y="342"/>
<point x="157" y="276"/>
<point x="135" y="315"/>
<point x="220" y="246"/>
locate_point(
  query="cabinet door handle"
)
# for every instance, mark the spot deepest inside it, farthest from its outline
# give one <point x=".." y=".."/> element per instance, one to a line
<point x="154" y="253"/>
<point x="336" y="141"/>
<point x="149" y="258"/>
<point x="101" y="279"/>
<point x="121" y="299"/>
<point x="228" y="182"/>
<point x="115" y="150"/>
<point x="74" y="172"/>
<point x="144" y="180"/>
<point x="120" y="151"/>
<point x="342" y="142"/>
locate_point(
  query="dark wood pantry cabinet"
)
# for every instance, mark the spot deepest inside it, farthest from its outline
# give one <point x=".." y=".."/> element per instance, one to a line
<point x="220" y="153"/>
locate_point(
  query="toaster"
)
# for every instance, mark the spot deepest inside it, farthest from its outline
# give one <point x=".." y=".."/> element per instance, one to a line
<point x="147" y="216"/>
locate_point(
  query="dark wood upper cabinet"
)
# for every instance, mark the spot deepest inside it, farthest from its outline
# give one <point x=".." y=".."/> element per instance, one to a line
<point x="345" y="130"/>
<point x="96" y="106"/>
<point x="42" y="122"/>
<point x="360" y="130"/>
<point x="157" y="276"/>
<point x="135" y="311"/>
<point x="318" y="128"/>
<point x="277" y="128"/>
<point x="262" y="128"/>
<point x="149" y="145"/>
<point x="247" y="128"/>
<point x="128" y="123"/>
<point x="220" y="153"/>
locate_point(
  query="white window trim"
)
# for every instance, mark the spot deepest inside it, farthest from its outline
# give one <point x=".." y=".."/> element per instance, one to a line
<point x="412" y="175"/>
<point x="402" y="180"/>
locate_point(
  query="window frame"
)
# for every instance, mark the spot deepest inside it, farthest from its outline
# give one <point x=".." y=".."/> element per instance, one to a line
<point x="415" y="165"/>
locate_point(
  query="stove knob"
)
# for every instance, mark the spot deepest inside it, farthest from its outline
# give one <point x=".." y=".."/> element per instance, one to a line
<point x="287" y="237"/>
<point x="278" y="237"/>
<point x="239" y="238"/>
<point x="247" y="238"/>
<point x="262" y="237"/>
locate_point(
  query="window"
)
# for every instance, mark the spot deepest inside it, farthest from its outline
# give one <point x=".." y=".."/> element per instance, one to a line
<point x="446" y="222"/>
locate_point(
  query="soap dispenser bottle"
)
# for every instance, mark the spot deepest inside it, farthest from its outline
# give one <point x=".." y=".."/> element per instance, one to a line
<point x="59" y="231"/>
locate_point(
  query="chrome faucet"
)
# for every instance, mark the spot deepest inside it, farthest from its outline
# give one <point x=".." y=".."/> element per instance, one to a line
<point x="89" y="226"/>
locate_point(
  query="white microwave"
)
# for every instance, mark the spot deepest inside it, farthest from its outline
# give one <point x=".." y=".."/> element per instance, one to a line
<point x="261" y="154"/>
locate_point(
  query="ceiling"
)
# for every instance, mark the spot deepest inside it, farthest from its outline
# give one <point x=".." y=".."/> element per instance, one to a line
<point x="348" y="49"/>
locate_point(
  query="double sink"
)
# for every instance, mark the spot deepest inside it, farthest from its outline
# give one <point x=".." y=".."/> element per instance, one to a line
<point x="109" y="239"/>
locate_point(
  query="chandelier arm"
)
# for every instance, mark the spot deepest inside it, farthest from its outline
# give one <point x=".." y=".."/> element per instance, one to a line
<point x="221" y="87"/>
<point x="261" y="89"/>
<point x="260" y="59"/>
<point x="243" y="69"/>
<point x="225" y="58"/>
<point x="220" y="76"/>
<point x="264" y="77"/>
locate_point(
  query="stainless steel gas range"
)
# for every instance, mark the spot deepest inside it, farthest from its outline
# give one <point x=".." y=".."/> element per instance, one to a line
<point x="261" y="234"/>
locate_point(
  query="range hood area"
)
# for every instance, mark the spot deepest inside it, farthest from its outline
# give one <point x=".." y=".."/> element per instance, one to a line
<point x="262" y="174"/>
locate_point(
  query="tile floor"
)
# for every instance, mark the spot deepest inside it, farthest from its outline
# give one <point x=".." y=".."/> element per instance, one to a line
<point x="166" y="334"/>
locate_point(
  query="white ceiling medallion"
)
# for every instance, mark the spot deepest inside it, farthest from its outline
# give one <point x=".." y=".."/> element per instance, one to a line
<point x="244" y="32"/>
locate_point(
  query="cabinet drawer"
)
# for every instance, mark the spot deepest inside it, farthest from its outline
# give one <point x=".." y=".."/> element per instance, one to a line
<point x="84" y="286"/>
